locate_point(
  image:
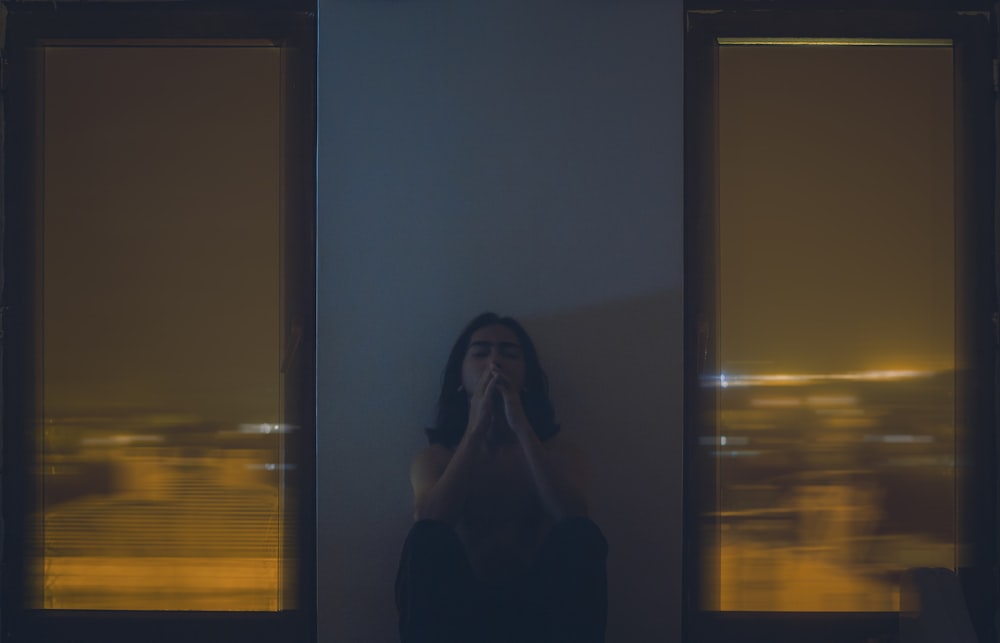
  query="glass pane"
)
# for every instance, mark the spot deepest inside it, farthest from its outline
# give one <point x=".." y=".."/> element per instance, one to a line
<point x="835" y="444"/>
<point x="160" y="459"/>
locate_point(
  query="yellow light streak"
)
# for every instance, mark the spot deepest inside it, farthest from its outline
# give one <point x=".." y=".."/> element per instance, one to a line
<point x="837" y="42"/>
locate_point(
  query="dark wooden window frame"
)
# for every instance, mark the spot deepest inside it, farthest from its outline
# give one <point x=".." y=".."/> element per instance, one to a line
<point x="290" y="24"/>
<point x="973" y="32"/>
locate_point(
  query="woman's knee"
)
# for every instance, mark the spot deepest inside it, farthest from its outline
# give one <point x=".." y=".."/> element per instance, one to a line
<point x="577" y="537"/>
<point x="431" y="533"/>
<point x="434" y="542"/>
<point x="432" y="555"/>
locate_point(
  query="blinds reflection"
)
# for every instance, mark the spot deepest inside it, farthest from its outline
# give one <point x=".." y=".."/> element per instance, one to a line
<point x="161" y="470"/>
<point x="169" y="516"/>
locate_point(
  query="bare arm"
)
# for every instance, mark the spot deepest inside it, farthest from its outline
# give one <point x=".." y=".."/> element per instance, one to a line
<point x="556" y="468"/>
<point x="442" y="480"/>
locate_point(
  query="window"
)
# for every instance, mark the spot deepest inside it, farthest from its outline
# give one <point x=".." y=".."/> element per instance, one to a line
<point x="840" y="293"/>
<point x="158" y="291"/>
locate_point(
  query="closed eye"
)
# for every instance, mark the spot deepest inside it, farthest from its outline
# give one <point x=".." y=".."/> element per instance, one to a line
<point x="483" y="349"/>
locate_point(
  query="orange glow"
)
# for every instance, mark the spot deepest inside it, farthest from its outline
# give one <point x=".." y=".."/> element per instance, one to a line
<point x="176" y="517"/>
<point x="162" y="467"/>
<point x="836" y="327"/>
<point x="798" y="379"/>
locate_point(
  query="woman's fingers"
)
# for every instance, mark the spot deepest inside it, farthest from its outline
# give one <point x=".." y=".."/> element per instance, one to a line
<point x="484" y="381"/>
<point x="492" y="385"/>
<point x="481" y="406"/>
<point x="502" y="382"/>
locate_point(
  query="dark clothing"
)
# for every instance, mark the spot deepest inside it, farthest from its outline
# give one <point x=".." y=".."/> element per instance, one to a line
<point x="562" y="599"/>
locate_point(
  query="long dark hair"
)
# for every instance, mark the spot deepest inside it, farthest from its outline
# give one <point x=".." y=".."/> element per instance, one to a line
<point x="453" y="403"/>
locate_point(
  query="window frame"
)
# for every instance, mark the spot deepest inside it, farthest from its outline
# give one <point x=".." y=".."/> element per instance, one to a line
<point x="974" y="35"/>
<point x="290" y="25"/>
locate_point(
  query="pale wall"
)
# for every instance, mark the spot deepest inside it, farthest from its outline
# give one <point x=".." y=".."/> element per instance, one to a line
<point x="523" y="157"/>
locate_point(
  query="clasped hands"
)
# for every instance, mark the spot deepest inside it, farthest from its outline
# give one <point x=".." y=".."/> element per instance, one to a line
<point x="493" y="385"/>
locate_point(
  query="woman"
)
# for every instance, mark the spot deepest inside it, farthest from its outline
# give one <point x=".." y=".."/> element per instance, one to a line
<point x="502" y="548"/>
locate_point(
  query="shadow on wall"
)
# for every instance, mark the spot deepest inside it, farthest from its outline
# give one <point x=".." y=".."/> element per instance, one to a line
<point x="615" y="372"/>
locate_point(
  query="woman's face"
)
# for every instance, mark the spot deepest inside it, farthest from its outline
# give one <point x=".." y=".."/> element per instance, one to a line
<point x="490" y="346"/>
